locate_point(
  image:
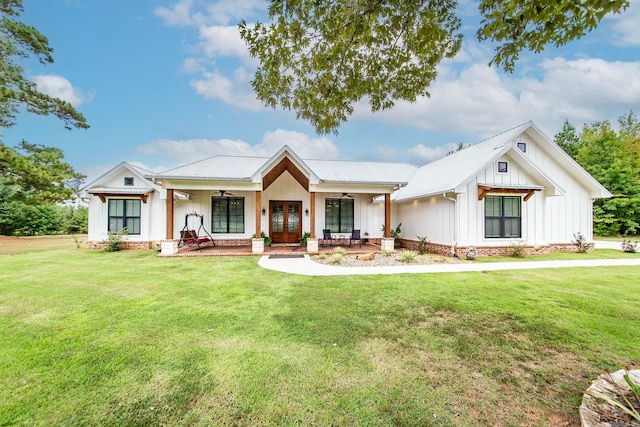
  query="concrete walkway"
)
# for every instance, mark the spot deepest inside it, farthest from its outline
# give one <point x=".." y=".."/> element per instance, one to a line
<point x="304" y="266"/>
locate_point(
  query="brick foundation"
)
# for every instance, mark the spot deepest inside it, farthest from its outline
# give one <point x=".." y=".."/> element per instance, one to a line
<point x="505" y="250"/>
<point x="156" y="244"/>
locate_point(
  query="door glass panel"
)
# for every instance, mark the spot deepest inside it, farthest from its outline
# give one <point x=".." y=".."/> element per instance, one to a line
<point x="293" y="218"/>
<point x="277" y="217"/>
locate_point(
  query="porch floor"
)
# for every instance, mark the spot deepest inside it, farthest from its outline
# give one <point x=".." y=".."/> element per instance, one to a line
<point x="274" y="249"/>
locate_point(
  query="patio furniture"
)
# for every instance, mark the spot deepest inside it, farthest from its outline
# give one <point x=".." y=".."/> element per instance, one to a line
<point x="326" y="238"/>
<point x="355" y="237"/>
<point x="190" y="237"/>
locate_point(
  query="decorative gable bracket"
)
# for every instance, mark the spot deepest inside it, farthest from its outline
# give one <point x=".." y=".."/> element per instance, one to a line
<point x="483" y="190"/>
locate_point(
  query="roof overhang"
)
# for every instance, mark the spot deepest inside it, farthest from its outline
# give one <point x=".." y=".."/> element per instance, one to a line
<point x="105" y="193"/>
<point x="527" y="190"/>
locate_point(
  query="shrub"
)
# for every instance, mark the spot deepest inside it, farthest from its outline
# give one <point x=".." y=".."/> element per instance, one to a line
<point x="267" y="239"/>
<point x="423" y="243"/>
<point x="580" y="242"/>
<point x="322" y="256"/>
<point x="304" y="238"/>
<point x="388" y="252"/>
<point x="395" y="234"/>
<point x="408" y="256"/>
<point x="336" y="258"/>
<point x="114" y="241"/>
<point x="517" y="250"/>
<point x="339" y="250"/>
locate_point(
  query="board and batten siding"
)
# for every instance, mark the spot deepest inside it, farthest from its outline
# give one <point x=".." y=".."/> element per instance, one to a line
<point x="432" y="217"/>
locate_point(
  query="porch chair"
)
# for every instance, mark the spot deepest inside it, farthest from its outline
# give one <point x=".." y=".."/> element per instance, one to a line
<point x="326" y="238"/>
<point x="355" y="236"/>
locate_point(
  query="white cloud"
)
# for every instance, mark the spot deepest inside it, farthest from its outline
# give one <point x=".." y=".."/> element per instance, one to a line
<point x="478" y="99"/>
<point x="179" y="14"/>
<point x="235" y="91"/>
<point x="196" y="149"/>
<point x="59" y="87"/>
<point x="429" y="154"/>
<point x="226" y="11"/>
<point x="626" y="25"/>
<point x="223" y="41"/>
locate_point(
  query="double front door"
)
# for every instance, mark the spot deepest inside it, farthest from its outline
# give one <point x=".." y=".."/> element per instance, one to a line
<point x="286" y="221"/>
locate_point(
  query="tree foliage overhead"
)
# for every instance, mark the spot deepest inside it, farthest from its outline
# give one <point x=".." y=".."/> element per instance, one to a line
<point x="19" y="41"/>
<point x="320" y="57"/>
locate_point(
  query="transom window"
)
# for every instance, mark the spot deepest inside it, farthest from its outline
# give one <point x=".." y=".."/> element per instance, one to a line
<point x="124" y="214"/>
<point x="502" y="217"/>
<point x="227" y="215"/>
<point x="338" y="215"/>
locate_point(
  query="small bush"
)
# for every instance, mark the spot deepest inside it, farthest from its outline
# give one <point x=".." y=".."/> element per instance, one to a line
<point x="304" y="238"/>
<point x="408" y="256"/>
<point x="388" y="252"/>
<point x="423" y="243"/>
<point x="336" y="258"/>
<point x="517" y="250"/>
<point x="114" y="241"/>
<point x="322" y="256"/>
<point x="339" y="250"/>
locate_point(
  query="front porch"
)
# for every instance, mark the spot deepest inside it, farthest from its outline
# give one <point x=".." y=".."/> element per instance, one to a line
<point x="274" y="249"/>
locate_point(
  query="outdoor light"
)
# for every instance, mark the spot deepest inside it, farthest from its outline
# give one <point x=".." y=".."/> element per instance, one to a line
<point x="306" y="212"/>
<point x="264" y="211"/>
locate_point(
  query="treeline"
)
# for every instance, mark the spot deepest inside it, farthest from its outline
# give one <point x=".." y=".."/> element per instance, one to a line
<point x="612" y="156"/>
<point x="34" y="185"/>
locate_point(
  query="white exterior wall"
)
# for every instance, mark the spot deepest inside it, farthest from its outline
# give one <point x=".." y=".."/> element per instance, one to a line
<point x="152" y="213"/>
<point x="368" y="216"/>
<point x="432" y="217"/>
<point x="545" y="219"/>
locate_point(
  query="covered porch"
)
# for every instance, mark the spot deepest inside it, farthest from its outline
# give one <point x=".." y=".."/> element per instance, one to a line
<point x="274" y="249"/>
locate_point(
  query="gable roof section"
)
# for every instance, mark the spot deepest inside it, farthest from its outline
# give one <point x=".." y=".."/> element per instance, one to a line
<point x="98" y="185"/>
<point x="216" y="168"/>
<point x="451" y="173"/>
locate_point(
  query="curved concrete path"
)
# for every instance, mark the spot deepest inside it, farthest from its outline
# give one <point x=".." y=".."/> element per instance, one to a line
<point x="304" y="266"/>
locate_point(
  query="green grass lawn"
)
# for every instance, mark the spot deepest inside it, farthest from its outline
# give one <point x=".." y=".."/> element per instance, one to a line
<point x="95" y="338"/>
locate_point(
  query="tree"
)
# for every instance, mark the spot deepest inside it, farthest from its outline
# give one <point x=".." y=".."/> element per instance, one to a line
<point x="320" y="57"/>
<point x="18" y="40"/>
<point x="613" y="158"/>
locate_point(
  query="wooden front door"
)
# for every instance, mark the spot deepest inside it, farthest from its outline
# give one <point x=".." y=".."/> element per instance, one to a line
<point x="286" y="222"/>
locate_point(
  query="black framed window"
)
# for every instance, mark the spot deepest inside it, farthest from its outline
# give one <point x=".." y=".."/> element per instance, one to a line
<point x="502" y="217"/>
<point x="128" y="181"/>
<point x="227" y="215"/>
<point x="338" y="215"/>
<point x="124" y="213"/>
<point x="522" y="146"/>
<point x="503" y="167"/>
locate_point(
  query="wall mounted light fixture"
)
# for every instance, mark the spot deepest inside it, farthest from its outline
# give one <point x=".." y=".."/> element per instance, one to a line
<point x="264" y="211"/>
<point x="306" y="212"/>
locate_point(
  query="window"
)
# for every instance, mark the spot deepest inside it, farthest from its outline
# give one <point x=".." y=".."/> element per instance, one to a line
<point x="227" y="214"/>
<point x="522" y="146"/>
<point x="338" y="215"/>
<point x="502" y="167"/>
<point x="502" y="217"/>
<point x="128" y="181"/>
<point x="124" y="213"/>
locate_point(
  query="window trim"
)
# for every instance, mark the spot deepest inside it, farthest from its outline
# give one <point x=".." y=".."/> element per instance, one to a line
<point x="128" y="181"/>
<point x="502" y="218"/>
<point x="340" y="201"/>
<point x="522" y="146"/>
<point x="227" y="214"/>
<point x="125" y="217"/>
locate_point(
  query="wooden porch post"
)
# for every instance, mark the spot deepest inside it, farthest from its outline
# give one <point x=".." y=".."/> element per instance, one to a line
<point x="387" y="215"/>
<point x="312" y="217"/>
<point x="258" y="212"/>
<point x="169" y="215"/>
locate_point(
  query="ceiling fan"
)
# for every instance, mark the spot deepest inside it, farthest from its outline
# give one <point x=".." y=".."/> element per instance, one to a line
<point x="223" y="192"/>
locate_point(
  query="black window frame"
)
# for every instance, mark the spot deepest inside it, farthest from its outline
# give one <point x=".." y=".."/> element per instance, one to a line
<point x="502" y="218"/>
<point x="128" y="181"/>
<point x="225" y="203"/>
<point x="126" y="219"/>
<point x="522" y="146"/>
<point x="344" y="222"/>
<point x="506" y="167"/>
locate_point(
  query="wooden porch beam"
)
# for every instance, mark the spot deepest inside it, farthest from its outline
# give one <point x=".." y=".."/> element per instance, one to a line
<point x="485" y="189"/>
<point x="169" y="215"/>
<point x="258" y="212"/>
<point x="387" y="215"/>
<point x="312" y="215"/>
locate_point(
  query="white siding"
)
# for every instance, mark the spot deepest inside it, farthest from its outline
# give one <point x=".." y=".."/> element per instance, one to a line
<point x="368" y="217"/>
<point x="433" y="217"/>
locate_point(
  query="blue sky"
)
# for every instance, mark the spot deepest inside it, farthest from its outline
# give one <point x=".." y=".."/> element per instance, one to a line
<point x="164" y="83"/>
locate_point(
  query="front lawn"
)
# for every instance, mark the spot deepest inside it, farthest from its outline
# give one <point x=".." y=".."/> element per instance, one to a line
<point x="95" y="338"/>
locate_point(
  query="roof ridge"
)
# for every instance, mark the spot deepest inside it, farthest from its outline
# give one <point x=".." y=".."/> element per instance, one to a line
<point x="504" y="131"/>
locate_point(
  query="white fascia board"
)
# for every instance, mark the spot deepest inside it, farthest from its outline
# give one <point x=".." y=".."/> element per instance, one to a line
<point x="366" y="188"/>
<point x="115" y="170"/>
<point x="285" y="151"/>
<point x="231" y="185"/>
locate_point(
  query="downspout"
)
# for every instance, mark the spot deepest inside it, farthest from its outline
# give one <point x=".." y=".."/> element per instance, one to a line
<point x="455" y="225"/>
